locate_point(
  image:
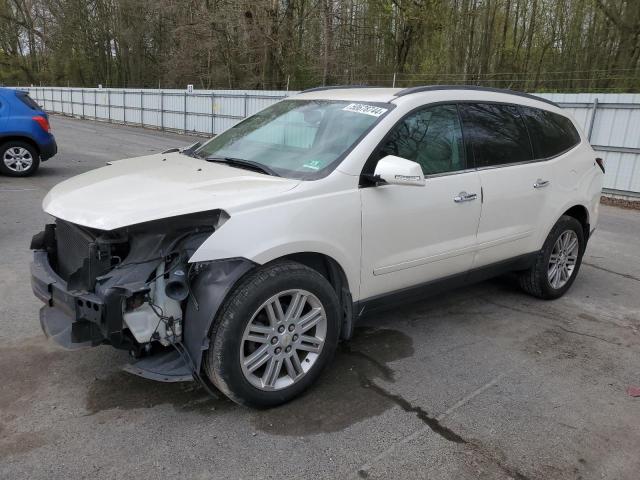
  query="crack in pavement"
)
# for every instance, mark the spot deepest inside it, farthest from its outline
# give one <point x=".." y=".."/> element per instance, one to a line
<point x="386" y="372"/>
<point x="558" y="316"/>
<point x="589" y="335"/>
<point x="431" y="422"/>
<point x="447" y="433"/>
<point x="533" y="313"/>
<point x="613" y="272"/>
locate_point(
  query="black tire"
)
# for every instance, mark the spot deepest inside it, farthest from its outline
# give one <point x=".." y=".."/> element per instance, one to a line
<point x="15" y="144"/>
<point x="535" y="281"/>
<point x="222" y="363"/>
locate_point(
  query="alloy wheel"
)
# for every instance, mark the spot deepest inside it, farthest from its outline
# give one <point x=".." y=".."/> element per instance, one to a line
<point x="283" y="339"/>
<point x="17" y="159"/>
<point x="563" y="259"/>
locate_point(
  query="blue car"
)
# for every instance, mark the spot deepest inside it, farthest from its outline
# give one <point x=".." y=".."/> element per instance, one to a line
<point x="25" y="134"/>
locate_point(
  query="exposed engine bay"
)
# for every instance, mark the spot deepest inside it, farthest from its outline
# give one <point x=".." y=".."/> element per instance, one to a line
<point x="130" y="287"/>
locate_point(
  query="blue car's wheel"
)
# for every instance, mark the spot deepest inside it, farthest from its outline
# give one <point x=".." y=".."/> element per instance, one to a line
<point x="18" y="159"/>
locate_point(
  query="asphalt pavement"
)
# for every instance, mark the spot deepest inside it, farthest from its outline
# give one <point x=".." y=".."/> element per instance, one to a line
<point x="482" y="382"/>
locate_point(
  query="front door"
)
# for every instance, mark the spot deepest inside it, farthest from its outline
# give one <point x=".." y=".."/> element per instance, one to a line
<point x="414" y="234"/>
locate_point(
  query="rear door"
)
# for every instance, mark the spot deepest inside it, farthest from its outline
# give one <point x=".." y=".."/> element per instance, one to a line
<point x="516" y="189"/>
<point x="554" y="138"/>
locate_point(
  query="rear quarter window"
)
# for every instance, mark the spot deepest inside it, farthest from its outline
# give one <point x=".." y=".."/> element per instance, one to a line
<point x="28" y="101"/>
<point x="551" y="133"/>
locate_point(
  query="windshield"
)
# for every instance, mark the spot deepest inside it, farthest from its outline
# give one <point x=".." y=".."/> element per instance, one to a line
<point x="304" y="139"/>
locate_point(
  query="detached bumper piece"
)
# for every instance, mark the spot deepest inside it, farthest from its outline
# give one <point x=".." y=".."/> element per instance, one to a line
<point x="72" y="319"/>
<point x="165" y="367"/>
<point x="56" y="325"/>
<point x="76" y="318"/>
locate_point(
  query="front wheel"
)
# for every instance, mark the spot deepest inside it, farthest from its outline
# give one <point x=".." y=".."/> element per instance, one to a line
<point x="274" y="335"/>
<point x="18" y="159"/>
<point x="557" y="264"/>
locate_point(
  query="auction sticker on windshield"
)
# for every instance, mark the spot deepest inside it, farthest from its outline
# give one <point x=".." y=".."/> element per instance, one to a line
<point x="366" y="109"/>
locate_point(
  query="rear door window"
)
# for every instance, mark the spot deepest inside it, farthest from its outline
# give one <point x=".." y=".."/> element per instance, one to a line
<point x="551" y="133"/>
<point x="497" y="133"/>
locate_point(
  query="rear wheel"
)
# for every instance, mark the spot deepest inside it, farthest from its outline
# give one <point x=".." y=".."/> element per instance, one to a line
<point x="18" y="159"/>
<point x="276" y="332"/>
<point x="557" y="264"/>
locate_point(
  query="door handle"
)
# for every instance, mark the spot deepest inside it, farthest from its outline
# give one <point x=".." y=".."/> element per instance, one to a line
<point x="464" y="197"/>
<point x="541" y="183"/>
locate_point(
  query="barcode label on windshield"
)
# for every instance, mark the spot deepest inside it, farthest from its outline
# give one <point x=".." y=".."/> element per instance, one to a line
<point x="366" y="109"/>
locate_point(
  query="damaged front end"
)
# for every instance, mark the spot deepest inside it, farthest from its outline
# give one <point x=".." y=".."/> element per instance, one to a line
<point x="134" y="289"/>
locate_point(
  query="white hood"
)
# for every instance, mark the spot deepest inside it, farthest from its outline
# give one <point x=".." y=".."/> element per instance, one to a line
<point x="137" y="190"/>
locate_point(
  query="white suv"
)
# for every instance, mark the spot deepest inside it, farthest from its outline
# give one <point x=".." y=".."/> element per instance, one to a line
<point x="242" y="262"/>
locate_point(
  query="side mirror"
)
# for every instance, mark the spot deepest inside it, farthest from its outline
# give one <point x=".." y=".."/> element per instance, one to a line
<point x="399" y="171"/>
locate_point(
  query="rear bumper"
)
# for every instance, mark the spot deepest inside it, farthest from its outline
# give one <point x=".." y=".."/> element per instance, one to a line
<point x="48" y="149"/>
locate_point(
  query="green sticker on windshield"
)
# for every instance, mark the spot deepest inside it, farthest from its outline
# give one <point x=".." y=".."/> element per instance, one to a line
<point x="313" y="165"/>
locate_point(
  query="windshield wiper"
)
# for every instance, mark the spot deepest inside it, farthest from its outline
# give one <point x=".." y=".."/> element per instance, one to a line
<point x="242" y="163"/>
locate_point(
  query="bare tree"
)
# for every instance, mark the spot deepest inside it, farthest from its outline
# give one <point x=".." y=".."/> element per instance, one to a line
<point x="523" y="44"/>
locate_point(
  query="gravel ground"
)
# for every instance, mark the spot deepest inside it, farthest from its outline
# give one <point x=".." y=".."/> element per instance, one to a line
<point x="483" y="382"/>
<point x="621" y="202"/>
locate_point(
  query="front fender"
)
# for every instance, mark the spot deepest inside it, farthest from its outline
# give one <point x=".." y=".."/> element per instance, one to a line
<point x="327" y="224"/>
<point x="208" y="290"/>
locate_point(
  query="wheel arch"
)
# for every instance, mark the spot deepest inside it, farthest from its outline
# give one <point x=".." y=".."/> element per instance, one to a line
<point x="20" y="138"/>
<point x="580" y="213"/>
<point x="575" y="210"/>
<point x="217" y="280"/>
<point x="330" y="269"/>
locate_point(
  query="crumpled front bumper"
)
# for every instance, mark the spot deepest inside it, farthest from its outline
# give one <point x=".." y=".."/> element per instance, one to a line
<point x="73" y="319"/>
<point x="78" y="320"/>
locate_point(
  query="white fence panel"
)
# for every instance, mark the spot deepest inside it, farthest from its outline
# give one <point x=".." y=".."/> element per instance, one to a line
<point x="612" y="121"/>
<point x="206" y="112"/>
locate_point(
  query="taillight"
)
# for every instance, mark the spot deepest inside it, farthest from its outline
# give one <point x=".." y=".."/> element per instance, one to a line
<point x="43" y="122"/>
<point x="600" y="163"/>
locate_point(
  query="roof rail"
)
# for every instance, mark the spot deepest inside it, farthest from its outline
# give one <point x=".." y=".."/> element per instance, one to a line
<point x="336" y="87"/>
<point x="429" y="88"/>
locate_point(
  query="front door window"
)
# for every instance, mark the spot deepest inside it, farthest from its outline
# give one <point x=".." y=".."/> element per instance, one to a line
<point x="431" y="137"/>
